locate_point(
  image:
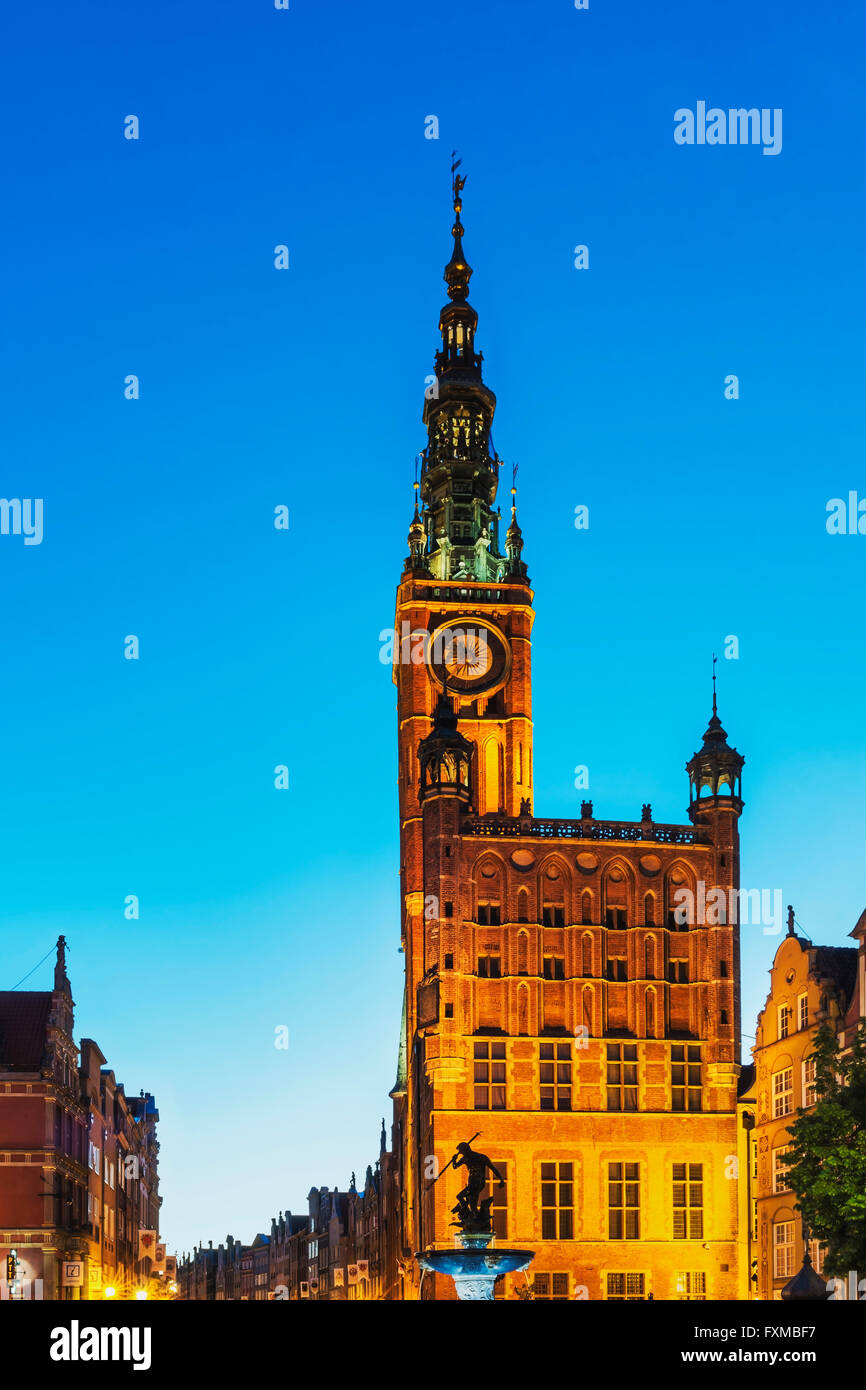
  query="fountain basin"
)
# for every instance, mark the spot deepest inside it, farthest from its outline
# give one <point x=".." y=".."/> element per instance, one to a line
<point x="475" y="1269"/>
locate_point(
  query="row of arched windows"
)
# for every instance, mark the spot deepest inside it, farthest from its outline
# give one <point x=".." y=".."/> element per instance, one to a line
<point x="490" y="911"/>
<point x="556" y="900"/>
<point x="589" y="1007"/>
<point x="593" y="965"/>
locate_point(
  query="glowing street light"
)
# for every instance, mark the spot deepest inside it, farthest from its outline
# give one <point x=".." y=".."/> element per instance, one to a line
<point x="141" y="1293"/>
<point x="109" y="1291"/>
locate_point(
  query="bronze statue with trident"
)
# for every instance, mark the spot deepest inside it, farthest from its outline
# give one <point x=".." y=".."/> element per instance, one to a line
<point x="473" y="1215"/>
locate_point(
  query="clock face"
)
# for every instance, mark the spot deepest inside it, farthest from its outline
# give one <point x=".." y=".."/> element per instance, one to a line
<point x="469" y="657"/>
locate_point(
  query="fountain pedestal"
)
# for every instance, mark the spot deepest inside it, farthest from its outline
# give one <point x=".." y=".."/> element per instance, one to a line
<point x="473" y="1266"/>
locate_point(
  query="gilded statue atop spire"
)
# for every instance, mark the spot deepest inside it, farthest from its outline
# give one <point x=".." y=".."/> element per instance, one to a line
<point x="457" y="272"/>
<point x="457" y="184"/>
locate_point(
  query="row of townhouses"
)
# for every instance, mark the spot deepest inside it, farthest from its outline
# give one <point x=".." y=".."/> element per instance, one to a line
<point x="79" y="1180"/>
<point x="344" y="1247"/>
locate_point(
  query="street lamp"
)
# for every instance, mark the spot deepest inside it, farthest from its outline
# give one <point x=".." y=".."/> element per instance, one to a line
<point x="109" y="1291"/>
<point x="141" y="1293"/>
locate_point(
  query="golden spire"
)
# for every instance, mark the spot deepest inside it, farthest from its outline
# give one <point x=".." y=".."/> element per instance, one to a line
<point x="457" y="271"/>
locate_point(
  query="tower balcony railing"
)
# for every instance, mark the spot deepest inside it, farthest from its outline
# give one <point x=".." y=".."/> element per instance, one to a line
<point x="514" y="827"/>
<point x="456" y="356"/>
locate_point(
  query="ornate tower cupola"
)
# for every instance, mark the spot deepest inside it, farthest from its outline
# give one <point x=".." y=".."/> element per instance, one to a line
<point x="445" y="757"/>
<point x="418" y="542"/>
<point x="460" y="466"/>
<point x="514" y="566"/>
<point x="715" y="772"/>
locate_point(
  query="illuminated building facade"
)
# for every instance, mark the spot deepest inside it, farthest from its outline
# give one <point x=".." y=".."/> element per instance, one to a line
<point x="554" y="1002"/>
<point x="809" y="985"/>
<point x="78" y="1157"/>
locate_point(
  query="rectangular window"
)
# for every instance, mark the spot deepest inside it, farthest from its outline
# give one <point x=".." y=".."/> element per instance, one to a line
<point x="780" y="1169"/>
<point x="678" y="972"/>
<point x="688" y="1201"/>
<point x="554" y="1075"/>
<point x="622" y="1076"/>
<point x="784" y="1021"/>
<point x="449" y="961"/>
<point x="615" y="918"/>
<point x="686" y="1077"/>
<point x="554" y="967"/>
<point x="783" y="1092"/>
<point x="617" y="968"/>
<point x="783" y="1249"/>
<point x="810" y="1089"/>
<point x="552" y="1287"/>
<point x="803" y="1012"/>
<point x="557" y="1201"/>
<point x="490" y="967"/>
<point x="691" y="1288"/>
<point x="488" y="914"/>
<point x="626" y="1288"/>
<point x="499" y="1206"/>
<point x="623" y="1199"/>
<point x="490" y="1076"/>
<point x="553" y="915"/>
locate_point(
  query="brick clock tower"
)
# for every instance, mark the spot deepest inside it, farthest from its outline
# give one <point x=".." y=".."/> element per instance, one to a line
<point x="555" y="1004"/>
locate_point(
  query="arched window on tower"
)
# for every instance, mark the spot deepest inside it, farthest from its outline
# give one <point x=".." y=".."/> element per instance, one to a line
<point x="522" y="953"/>
<point x="552" y="885"/>
<point x="491" y="788"/>
<point x="587" y="1001"/>
<point x="520" y="762"/>
<point x="586" y="908"/>
<point x="489" y="890"/>
<point x="586" y="955"/>
<point x="649" y="910"/>
<point x="522" y="1010"/>
<point x="522" y="905"/>
<point x="650" y="1013"/>
<point x="650" y="958"/>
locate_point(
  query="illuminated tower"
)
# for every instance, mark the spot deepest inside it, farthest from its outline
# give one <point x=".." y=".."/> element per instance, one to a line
<point x="554" y="1002"/>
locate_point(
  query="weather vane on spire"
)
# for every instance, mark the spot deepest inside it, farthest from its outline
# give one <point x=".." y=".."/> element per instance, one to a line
<point x="457" y="183"/>
<point x="514" y="480"/>
<point x="715" y="659"/>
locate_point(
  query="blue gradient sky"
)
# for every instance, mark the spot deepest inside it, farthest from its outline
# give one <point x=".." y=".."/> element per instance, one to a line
<point x="258" y="127"/>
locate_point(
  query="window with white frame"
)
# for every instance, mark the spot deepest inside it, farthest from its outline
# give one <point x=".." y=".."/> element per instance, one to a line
<point x="810" y="1090"/>
<point x="783" y="1249"/>
<point x="784" y="1021"/>
<point x="816" y="1255"/>
<point x="781" y="1182"/>
<point x="783" y="1092"/>
<point x="803" y="1012"/>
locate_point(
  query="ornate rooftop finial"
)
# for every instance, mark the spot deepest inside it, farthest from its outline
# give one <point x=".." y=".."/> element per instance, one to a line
<point x="514" y="536"/>
<point x="61" y="979"/>
<point x="715" y="659"/>
<point x="457" y="271"/>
